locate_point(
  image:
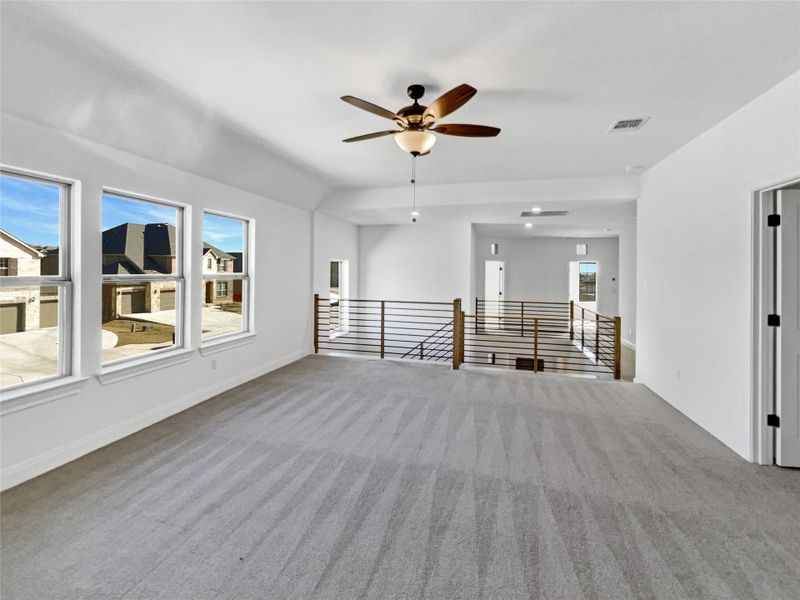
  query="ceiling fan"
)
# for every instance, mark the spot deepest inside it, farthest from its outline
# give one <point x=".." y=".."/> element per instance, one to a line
<point x="417" y="122"/>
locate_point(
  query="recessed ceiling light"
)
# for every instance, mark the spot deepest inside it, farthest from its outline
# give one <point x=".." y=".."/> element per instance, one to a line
<point x="536" y="209"/>
<point x="528" y="225"/>
<point x="414" y="213"/>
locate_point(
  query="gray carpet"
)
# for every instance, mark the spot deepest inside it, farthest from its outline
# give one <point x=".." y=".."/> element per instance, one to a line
<point x="344" y="479"/>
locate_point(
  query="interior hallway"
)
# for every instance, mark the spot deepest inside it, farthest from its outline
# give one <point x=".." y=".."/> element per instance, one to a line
<point x="348" y="478"/>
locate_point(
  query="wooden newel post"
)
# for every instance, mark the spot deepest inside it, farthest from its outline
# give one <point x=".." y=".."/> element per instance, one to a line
<point x="596" y="338"/>
<point x="617" y="347"/>
<point x="476" y="316"/>
<point x="535" y="345"/>
<point x="583" y="327"/>
<point x="571" y="320"/>
<point x="458" y="334"/>
<point x="316" y="323"/>
<point x="383" y="325"/>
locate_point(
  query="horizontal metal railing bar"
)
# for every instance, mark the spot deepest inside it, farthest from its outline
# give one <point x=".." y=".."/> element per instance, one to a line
<point x="507" y="356"/>
<point x="518" y="302"/>
<point x="388" y="302"/>
<point x="547" y="367"/>
<point x="502" y="361"/>
<point x="352" y="350"/>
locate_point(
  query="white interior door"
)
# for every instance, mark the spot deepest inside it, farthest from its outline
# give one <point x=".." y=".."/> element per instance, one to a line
<point x="787" y="450"/>
<point x="493" y="292"/>
<point x="574" y="280"/>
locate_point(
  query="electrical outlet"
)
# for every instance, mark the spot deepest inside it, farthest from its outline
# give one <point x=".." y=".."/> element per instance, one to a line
<point x="213" y="365"/>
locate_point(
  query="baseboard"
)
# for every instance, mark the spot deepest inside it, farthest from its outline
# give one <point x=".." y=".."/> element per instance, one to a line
<point x="57" y="457"/>
<point x="628" y="344"/>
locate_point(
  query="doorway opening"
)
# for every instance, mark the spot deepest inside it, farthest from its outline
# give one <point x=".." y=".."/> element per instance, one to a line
<point x="494" y="288"/>
<point x="583" y="283"/>
<point x="339" y="297"/>
<point x="776" y="325"/>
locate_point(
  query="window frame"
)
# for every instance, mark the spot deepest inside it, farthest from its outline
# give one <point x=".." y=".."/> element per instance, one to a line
<point x="183" y="223"/>
<point x="246" y="277"/>
<point x="63" y="282"/>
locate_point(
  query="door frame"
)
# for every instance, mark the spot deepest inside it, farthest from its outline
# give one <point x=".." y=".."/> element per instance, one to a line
<point x="763" y="364"/>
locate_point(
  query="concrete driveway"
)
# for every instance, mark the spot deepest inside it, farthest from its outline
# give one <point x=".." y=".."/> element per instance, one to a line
<point x="215" y="320"/>
<point x="30" y="355"/>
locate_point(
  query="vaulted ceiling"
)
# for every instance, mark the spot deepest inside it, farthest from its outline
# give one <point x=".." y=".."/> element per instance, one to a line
<point x="552" y="75"/>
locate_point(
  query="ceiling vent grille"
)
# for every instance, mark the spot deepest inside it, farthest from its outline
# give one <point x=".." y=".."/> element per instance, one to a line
<point x="543" y="213"/>
<point x="628" y="124"/>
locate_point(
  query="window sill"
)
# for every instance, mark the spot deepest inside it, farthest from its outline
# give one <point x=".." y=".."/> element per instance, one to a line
<point x="135" y="367"/>
<point x="28" y="396"/>
<point x="226" y="343"/>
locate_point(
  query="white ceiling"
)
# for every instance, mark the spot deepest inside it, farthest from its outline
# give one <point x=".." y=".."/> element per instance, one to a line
<point x="552" y="75"/>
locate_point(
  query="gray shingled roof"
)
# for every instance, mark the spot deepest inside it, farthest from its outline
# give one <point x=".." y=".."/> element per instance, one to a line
<point x="217" y="251"/>
<point x="137" y="243"/>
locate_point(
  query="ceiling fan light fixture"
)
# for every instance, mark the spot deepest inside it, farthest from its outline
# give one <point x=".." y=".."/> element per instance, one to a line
<point x="415" y="142"/>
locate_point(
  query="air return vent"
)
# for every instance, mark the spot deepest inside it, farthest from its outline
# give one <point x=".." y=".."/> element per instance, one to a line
<point x="543" y="213"/>
<point x="628" y="124"/>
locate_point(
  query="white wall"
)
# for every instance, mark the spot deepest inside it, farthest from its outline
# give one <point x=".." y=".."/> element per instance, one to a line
<point x="627" y="283"/>
<point x="418" y="261"/>
<point x="61" y="426"/>
<point x="694" y="267"/>
<point x="537" y="268"/>
<point x="334" y="239"/>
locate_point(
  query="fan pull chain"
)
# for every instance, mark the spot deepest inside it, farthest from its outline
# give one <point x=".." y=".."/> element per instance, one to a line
<point x="414" y="213"/>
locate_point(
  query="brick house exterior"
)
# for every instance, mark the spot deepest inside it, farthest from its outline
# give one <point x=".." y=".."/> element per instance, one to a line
<point x="21" y="309"/>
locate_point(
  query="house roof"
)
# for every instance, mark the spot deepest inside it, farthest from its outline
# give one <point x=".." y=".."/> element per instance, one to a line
<point x="18" y="242"/>
<point x="138" y="244"/>
<point x="220" y="253"/>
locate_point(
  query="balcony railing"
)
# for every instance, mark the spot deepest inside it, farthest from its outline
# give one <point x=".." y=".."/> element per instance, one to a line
<point x="551" y="337"/>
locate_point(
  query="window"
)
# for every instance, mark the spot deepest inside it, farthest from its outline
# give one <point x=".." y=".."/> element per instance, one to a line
<point x="35" y="289"/>
<point x="225" y="290"/>
<point x="587" y="282"/>
<point x="142" y="276"/>
<point x="209" y="263"/>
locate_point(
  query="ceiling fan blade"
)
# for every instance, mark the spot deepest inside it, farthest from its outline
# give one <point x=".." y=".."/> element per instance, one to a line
<point x="449" y="102"/>
<point x="373" y="108"/>
<point x="467" y="130"/>
<point x="369" y="136"/>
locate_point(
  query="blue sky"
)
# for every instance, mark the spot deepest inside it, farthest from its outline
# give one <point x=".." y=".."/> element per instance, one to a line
<point x="117" y="210"/>
<point x="29" y="210"/>
<point x="224" y="233"/>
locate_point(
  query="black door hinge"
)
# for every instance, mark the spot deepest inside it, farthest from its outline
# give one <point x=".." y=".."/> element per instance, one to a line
<point x="773" y="320"/>
<point x="773" y="221"/>
<point x="773" y="421"/>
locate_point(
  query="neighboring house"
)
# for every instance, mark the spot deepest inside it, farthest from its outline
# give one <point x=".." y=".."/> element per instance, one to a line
<point x="24" y="308"/>
<point x="238" y="267"/>
<point x="218" y="261"/>
<point x="136" y="249"/>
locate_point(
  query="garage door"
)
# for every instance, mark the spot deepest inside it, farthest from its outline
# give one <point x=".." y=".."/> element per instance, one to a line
<point x="12" y="318"/>
<point x="132" y="302"/>
<point x="167" y="299"/>
<point x="48" y="312"/>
